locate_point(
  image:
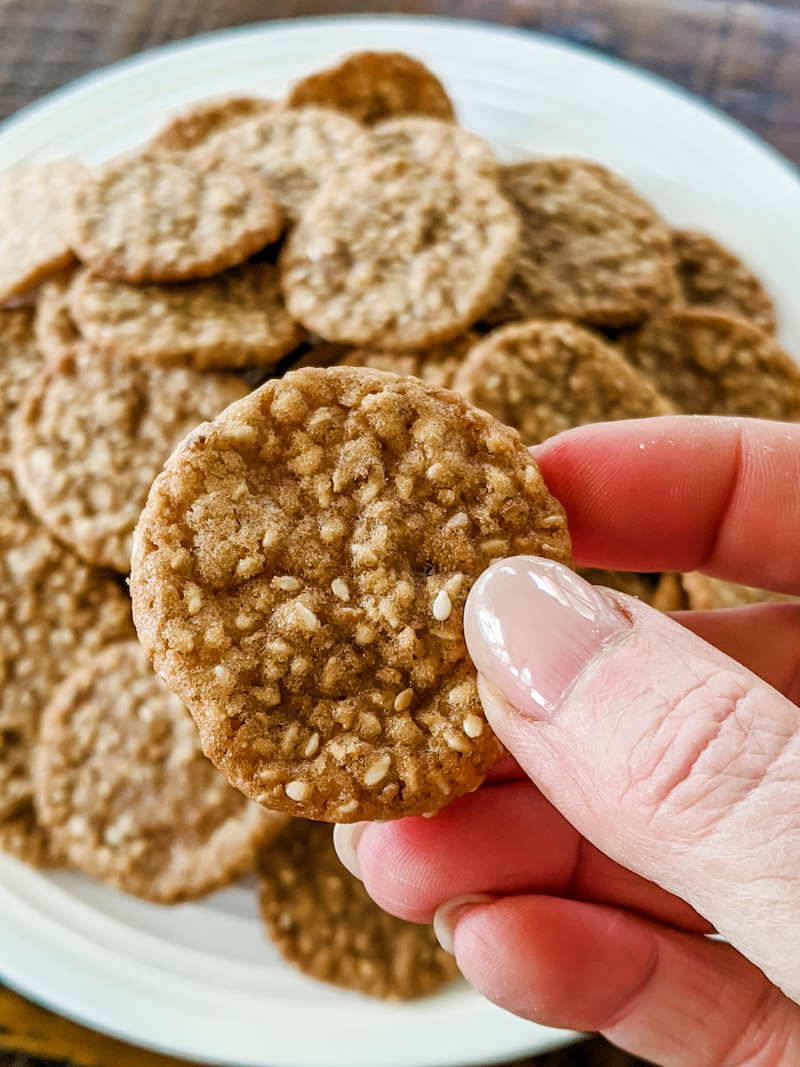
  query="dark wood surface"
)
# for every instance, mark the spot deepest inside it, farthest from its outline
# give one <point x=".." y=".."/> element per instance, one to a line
<point x="742" y="56"/>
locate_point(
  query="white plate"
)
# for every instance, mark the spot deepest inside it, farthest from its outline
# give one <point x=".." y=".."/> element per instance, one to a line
<point x="200" y="980"/>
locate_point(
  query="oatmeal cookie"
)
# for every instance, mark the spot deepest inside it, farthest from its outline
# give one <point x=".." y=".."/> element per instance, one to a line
<point x="712" y="277"/>
<point x="127" y="795"/>
<point x="545" y="377"/>
<point x="708" y="363"/>
<point x="55" y="614"/>
<point x="235" y="319"/>
<point x="165" y="217"/>
<point x="199" y="123"/>
<point x="434" y="366"/>
<point x="372" y="86"/>
<point x="435" y="143"/>
<point x="661" y="591"/>
<point x="707" y="594"/>
<point x="399" y="256"/>
<point x="592" y="249"/>
<point x="34" y="209"/>
<point x="93" y="434"/>
<point x="294" y="152"/>
<point x="323" y="922"/>
<point x="55" y="329"/>
<point x="21" y="360"/>
<point x="299" y="577"/>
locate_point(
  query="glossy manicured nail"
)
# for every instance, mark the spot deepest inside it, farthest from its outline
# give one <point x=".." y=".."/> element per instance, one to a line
<point x="447" y="915"/>
<point x="345" y="840"/>
<point x="532" y="626"/>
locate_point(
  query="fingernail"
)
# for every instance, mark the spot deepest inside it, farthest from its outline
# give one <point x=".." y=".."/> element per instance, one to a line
<point x="448" y="914"/>
<point x="345" y="840"/>
<point x="532" y="626"/>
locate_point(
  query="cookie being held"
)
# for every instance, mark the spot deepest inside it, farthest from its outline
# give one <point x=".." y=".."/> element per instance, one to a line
<point x="299" y="577"/>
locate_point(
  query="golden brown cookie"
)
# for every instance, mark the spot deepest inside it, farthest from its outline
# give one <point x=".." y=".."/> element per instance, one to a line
<point x="399" y="256"/>
<point x="34" y="208"/>
<point x="20" y="362"/>
<point x="661" y="591"/>
<point x="435" y="143"/>
<point x="708" y="363"/>
<point x="293" y="152"/>
<point x="55" y="614"/>
<point x="712" y="277"/>
<point x="324" y="923"/>
<point x="591" y="250"/>
<point x="235" y="319"/>
<point x="707" y="594"/>
<point x="166" y="217"/>
<point x="434" y="366"/>
<point x="55" y="329"/>
<point x="372" y="86"/>
<point x="545" y="377"/>
<point x="126" y="794"/>
<point x="197" y="124"/>
<point x="93" y="434"/>
<point x="299" y="577"/>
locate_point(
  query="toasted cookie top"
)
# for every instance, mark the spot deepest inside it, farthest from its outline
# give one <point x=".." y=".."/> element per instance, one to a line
<point x="235" y="319"/>
<point x="591" y="250"/>
<point x="92" y="436"/>
<point x="372" y="86"/>
<point x="21" y="360"/>
<point x="710" y="363"/>
<point x="293" y="152"/>
<point x="299" y="577"/>
<point x="56" y="612"/>
<point x="712" y="277"/>
<point x="399" y="255"/>
<point x="197" y="124"/>
<point x="324" y="922"/>
<point x="34" y="216"/>
<point x="434" y="366"/>
<point x="545" y="377"/>
<point x="166" y="217"/>
<point x="55" y="329"/>
<point x="435" y="143"/>
<point x="126" y="793"/>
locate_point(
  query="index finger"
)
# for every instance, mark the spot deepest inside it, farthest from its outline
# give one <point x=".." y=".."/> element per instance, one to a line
<point x="681" y="493"/>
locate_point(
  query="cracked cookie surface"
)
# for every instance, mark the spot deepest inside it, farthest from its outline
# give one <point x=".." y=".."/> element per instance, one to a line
<point x="299" y="578"/>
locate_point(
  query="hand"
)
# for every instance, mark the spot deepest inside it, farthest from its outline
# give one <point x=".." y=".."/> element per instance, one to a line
<point x="665" y="755"/>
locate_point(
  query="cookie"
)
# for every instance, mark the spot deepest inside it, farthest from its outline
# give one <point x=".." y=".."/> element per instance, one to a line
<point x="20" y="362"/>
<point x="545" y="377"/>
<point x="235" y="319"/>
<point x="435" y="143"/>
<point x="165" y="217"/>
<point x="55" y="329"/>
<point x="93" y="434"/>
<point x="125" y="792"/>
<point x="34" y="209"/>
<point x="661" y="591"/>
<point x="324" y="923"/>
<point x="708" y="363"/>
<point x="712" y="277"/>
<point x="592" y="249"/>
<point x="372" y="86"/>
<point x="707" y="594"/>
<point x="399" y="256"/>
<point x="294" y="152"/>
<point x="434" y="366"/>
<point x="55" y="614"/>
<point x="199" y="123"/>
<point x="299" y="577"/>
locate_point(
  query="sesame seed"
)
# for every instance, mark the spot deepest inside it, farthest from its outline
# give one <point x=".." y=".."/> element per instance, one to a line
<point x="459" y="521"/>
<point x="195" y="602"/>
<point x="244" y="622"/>
<point x="495" y="548"/>
<point x="429" y="814"/>
<point x="348" y="808"/>
<point x="311" y="746"/>
<point x="403" y="700"/>
<point x="454" y="585"/>
<point x="442" y="606"/>
<point x="340" y="589"/>
<point x="473" y="726"/>
<point x="285" y="582"/>
<point x="240" y="431"/>
<point x="298" y="791"/>
<point x="306" y="618"/>
<point x="457" y="743"/>
<point x="434" y="471"/>
<point x="377" y="771"/>
<point x="222" y="673"/>
<point x="270" y="537"/>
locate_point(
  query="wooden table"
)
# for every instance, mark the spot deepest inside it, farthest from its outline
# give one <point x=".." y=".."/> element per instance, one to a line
<point x="742" y="56"/>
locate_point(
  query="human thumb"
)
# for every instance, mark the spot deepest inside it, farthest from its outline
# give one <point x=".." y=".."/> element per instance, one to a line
<point x="670" y="757"/>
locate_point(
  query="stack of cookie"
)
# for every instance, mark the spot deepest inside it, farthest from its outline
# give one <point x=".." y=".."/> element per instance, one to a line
<point x="354" y="224"/>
